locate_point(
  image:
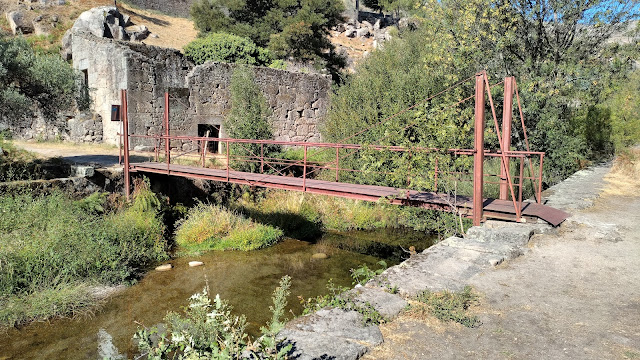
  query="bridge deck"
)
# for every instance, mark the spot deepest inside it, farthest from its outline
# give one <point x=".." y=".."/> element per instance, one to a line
<point x="493" y="208"/>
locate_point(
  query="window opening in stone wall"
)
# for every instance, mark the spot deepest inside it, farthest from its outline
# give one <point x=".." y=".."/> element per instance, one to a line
<point x="214" y="132"/>
<point x="116" y="113"/>
<point x="85" y="77"/>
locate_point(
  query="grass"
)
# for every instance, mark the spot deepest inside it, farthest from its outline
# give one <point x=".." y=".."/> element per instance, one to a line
<point x="450" y="306"/>
<point x="18" y="164"/>
<point x="306" y="216"/>
<point x="624" y="177"/>
<point x="211" y="227"/>
<point x="52" y="248"/>
<point x="58" y="301"/>
<point x="213" y="161"/>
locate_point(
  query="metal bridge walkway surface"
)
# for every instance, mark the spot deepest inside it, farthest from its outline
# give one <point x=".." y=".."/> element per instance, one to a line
<point x="492" y="208"/>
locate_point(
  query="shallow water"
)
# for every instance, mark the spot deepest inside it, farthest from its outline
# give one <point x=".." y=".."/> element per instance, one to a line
<point x="245" y="279"/>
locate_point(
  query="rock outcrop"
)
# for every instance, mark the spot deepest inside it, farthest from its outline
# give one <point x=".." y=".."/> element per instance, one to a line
<point x="18" y="23"/>
<point x="104" y="22"/>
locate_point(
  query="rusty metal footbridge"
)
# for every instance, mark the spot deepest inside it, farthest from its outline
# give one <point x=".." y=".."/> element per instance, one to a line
<point x="321" y="169"/>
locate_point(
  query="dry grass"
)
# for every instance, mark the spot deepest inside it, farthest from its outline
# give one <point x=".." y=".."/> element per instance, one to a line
<point x="172" y="32"/>
<point x="624" y="178"/>
<point x="355" y="47"/>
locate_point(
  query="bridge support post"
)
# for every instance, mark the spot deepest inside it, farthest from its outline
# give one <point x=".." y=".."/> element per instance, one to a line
<point x="507" y="118"/>
<point x="125" y="134"/>
<point x="167" y="142"/>
<point x="478" y="147"/>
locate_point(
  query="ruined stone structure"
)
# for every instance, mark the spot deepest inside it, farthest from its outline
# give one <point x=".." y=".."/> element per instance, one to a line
<point x="200" y="96"/>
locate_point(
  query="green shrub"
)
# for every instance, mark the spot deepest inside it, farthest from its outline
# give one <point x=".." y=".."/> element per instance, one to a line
<point x="625" y="113"/>
<point x="297" y="29"/>
<point x="562" y="86"/>
<point x="304" y="216"/>
<point x="210" y="227"/>
<point x="50" y="242"/>
<point x="227" y="48"/>
<point x="29" y="79"/>
<point x="248" y="119"/>
<point x="209" y="330"/>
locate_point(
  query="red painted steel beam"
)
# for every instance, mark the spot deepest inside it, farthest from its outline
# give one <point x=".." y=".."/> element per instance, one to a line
<point x="125" y="131"/>
<point x="167" y="140"/>
<point x="478" y="148"/>
<point x="507" y="118"/>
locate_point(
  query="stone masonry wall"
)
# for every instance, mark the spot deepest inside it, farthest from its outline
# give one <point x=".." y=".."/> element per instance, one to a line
<point x="198" y="94"/>
<point x="298" y="101"/>
<point x="151" y="72"/>
<point x="72" y="126"/>
<point x="106" y="66"/>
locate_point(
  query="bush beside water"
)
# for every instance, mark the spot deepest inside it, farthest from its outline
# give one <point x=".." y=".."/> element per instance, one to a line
<point x="211" y="227"/>
<point x="306" y="216"/>
<point x="53" y="248"/>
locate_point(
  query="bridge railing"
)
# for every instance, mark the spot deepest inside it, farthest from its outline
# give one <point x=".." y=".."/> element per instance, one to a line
<point x="255" y="156"/>
<point x="236" y="154"/>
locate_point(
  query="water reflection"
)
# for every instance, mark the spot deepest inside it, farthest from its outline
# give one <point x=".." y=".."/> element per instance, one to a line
<point x="245" y="279"/>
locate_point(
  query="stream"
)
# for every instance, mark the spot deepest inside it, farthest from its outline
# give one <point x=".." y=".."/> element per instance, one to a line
<point x="245" y="279"/>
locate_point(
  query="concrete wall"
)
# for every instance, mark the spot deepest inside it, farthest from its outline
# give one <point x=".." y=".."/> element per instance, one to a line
<point x="199" y="94"/>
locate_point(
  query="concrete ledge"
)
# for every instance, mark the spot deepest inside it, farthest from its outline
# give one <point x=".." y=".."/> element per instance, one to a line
<point x="330" y="334"/>
<point x="387" y="304"/>
<point x="448" y="265"/>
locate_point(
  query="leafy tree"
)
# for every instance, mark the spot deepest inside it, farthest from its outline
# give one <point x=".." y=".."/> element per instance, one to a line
<point x="248" y="118"/>
<point x="30" y="79"/>
<point x="226" y="48"/>
<point x="625" y="112"/>
<point x="559" y="50"/>
<point x="565" y="70"/>
<point x="296" y="29"/>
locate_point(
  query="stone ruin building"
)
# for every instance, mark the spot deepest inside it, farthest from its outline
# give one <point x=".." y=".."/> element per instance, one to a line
<point x="200" y="95"/>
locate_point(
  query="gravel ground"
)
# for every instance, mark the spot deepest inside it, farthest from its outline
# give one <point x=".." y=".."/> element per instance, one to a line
<point x="574" y="295"/>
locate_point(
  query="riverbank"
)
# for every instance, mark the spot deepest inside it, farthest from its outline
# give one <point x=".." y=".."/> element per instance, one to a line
<point x="573" y="295"/>
<point x="55" y="251"/>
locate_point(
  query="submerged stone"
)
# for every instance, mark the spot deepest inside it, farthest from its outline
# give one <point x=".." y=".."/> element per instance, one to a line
<point x="195" y="263"/>
<point x="165" y="267"/>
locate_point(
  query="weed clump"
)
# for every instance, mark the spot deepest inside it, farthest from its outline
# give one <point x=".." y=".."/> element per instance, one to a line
<point x="305" y="216"/>
<point x="211" y="227"/>
<point x="209" y="330"/>
<point x="451" y="306"/>
<point x="52" y="248"/>
<point x="339" y="297"/>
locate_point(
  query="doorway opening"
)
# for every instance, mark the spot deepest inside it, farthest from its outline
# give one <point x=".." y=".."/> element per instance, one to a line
<point x="214" y="132"/>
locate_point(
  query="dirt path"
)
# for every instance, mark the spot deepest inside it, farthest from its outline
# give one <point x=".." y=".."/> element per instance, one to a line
<point x="574" y="295"/>
<point x="93" y="154"/>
